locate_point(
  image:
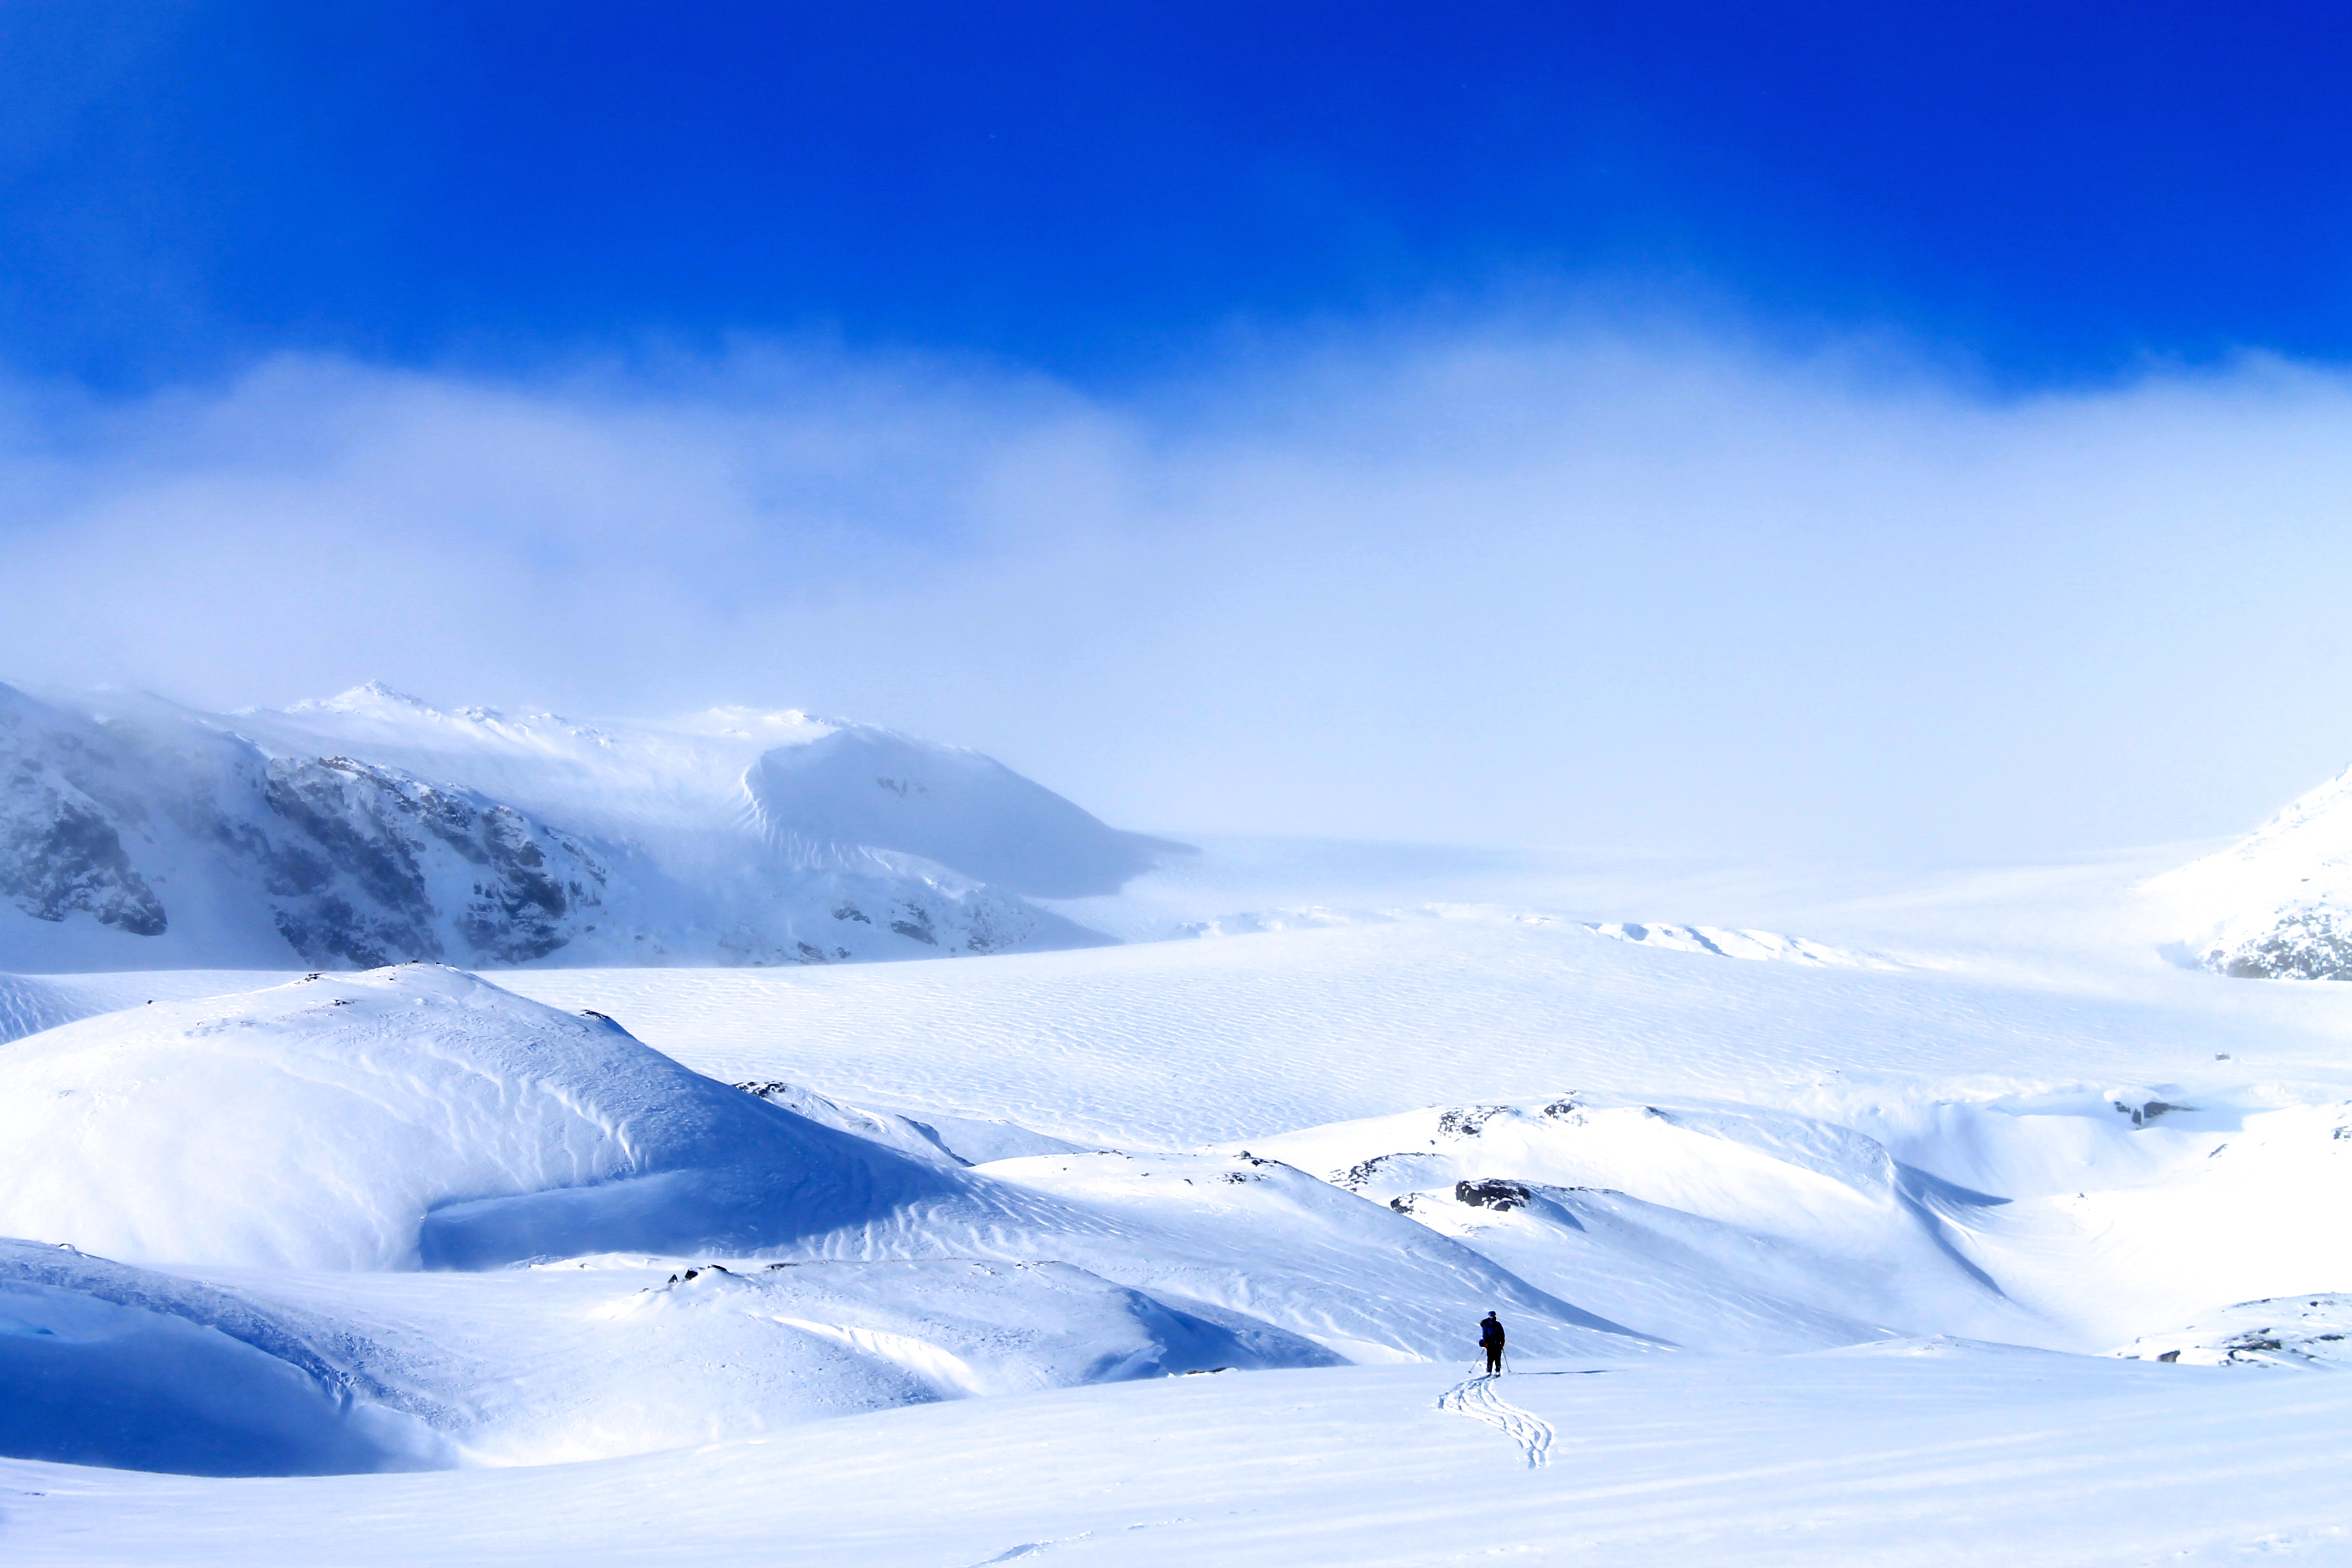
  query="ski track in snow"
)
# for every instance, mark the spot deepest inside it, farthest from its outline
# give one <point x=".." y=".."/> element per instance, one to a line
<point x="1476" y="1397"/>
<point x="1029" y="1549"/>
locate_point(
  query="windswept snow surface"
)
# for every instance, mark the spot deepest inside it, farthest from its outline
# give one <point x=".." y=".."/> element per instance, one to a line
<point x="1926" y="1453"/>
<point x="403" y="1118"/>
<point x="1803" y="1260"/>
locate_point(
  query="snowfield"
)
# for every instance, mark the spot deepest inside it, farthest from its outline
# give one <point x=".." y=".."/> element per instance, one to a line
<point x="1925" y="1453"/>
<point x="1832" y="1222"/>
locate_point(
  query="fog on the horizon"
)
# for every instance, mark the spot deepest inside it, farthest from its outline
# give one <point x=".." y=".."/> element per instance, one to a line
<point x="1529" y="586"/>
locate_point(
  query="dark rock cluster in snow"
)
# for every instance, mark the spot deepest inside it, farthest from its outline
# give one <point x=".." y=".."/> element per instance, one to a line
<point x="2310" y="944"/>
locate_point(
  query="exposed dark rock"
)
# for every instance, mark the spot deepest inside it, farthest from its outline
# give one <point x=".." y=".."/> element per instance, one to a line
<point x="2305" y="944"/>
<point x="1357" y="1177"/>
<point x="375" y="848"/>
<point x="1465" y="1121"/>
<point x="1492" y="1194"/>
<point x="109" y="811"/>
<point x="60" y="855"/>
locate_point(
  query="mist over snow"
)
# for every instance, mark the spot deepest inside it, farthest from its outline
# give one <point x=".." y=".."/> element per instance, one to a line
<point x="1529" y="582"/>
<point x="372" y="828"/>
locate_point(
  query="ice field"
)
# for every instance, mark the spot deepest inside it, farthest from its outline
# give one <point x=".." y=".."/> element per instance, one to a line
<point x="1835" y="1218"/>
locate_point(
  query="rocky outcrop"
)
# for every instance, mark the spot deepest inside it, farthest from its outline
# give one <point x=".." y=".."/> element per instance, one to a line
<point x="60" y="855"/>
<point x="2277" y="904"/>
<point x="376" y="867"/>
<point x="2308" y="942"/>
<point x="136" y="834"/>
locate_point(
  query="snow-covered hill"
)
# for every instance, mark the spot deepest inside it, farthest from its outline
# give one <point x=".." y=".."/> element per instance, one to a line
<point x="373" y="829"/>
<point x="104" y="1364"/>
<point x="403" y="1118"/>
<point x="391" y="1124"/>
<point x="2292" y="1332"/>
<point x="2277" y="905"/>
<point x="942" y="1262"/>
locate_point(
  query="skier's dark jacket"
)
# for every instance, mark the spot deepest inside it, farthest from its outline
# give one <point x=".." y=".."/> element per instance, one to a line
<point x="1490" y="1333"/>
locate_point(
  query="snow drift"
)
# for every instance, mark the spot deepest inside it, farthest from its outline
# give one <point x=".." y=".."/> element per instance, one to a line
<point x="102" y="1364"/>
<point x="403" y="1118"/>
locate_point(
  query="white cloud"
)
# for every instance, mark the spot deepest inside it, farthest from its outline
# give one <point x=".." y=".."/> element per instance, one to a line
<point x="1529" y="584"/>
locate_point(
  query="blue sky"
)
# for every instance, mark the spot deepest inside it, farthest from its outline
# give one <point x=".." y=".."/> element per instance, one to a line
<point x="2050" y="190"/>
<point x="1902" y="432"/>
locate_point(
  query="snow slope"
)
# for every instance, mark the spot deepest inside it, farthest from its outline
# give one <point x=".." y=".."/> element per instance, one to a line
<point x="416" y="1117"/>
<point x="405" y="1117"/>
<point x="1756" y="946"/>
<point x="1726" y="1228"/>
<point x="2295" y="1332"/>
<point x="373" y="829"/>
<point x="107" y="1365"/>
<point x="2278" y="903"/>
<point x="582" y="1358"/>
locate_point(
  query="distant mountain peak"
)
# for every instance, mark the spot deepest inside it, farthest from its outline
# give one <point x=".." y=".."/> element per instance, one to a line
<point x="375" y="826"/>
<point x="371" y="697"/>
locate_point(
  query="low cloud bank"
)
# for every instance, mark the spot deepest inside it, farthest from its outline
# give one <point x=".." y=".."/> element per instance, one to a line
<point x="1532" y="585"/>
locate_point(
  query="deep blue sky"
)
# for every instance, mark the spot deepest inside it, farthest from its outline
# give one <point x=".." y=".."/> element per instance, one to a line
<point x="1430" y="441"/>
<point x="2051" y="191"/>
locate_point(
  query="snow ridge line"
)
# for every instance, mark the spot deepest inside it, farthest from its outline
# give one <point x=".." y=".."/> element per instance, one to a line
<point x="1475" y="1398"/>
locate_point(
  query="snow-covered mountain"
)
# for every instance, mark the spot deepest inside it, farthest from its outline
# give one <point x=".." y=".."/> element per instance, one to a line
<point x="373" y="829"/>
<point x="2276" y="905"/>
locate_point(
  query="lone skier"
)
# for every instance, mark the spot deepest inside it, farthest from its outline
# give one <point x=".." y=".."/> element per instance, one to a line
<point x="1490" y="1340"/>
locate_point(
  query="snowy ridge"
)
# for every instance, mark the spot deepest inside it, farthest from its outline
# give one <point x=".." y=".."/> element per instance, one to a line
<point x="1757" y="946"/>
<point x="1713" y="1226"/>
<point x="405" y="1118"/>
<point x="2277" y="905"/>
<point x="2309" y="1331"/>
<point x="108" y="1366"/>
<point x="373" y="829"/>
